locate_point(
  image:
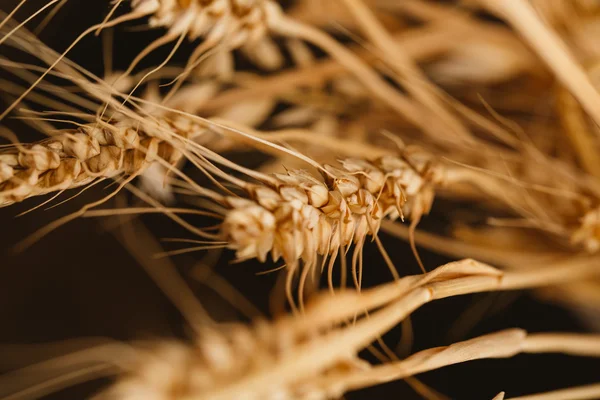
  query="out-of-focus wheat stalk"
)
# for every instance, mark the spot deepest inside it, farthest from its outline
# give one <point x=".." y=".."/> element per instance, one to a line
<point x="236" y="360"/>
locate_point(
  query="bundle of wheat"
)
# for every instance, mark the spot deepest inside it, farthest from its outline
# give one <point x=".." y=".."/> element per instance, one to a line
<point x="353" y="139"/>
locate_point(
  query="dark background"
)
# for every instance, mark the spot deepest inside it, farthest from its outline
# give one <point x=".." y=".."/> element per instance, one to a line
<point x="80" y="281"/>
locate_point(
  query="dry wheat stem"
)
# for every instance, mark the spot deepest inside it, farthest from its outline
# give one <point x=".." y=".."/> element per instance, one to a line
<point x="550" y="47"/>
<point x="504" y="344"/>
<point x="420" y="44"/>
<point x="459" y="278"/>
<point x="586" y="392"/>
<point x="576" y="127"/>
<point x="581" y="294"/>
<point x="269" y="13"/>
<point x="245" y="361"/>
<point x="416" y="82"/>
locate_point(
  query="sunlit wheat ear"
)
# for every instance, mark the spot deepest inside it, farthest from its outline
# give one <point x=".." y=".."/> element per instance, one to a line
<point x="222" y="25"/>
<point x="588" y="233"/>
<point x="238" y="21"/>
<point x="299" y="218"/>
<point x="76" y="158"/>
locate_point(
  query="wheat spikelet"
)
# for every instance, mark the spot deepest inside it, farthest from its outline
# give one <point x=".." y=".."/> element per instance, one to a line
<point x="238" y="20"/>
<point x="76" y="158"/>
<point x="237" y="24"/>
<point x="588" y="233"/>
<point x="300" y="216"/>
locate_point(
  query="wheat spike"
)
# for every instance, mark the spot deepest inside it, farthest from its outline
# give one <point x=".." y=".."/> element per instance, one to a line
<point x="300" y="217"/>
<point x="75" y="158"/>
<point x="588" y="232"/>
<point x="237" y="20"/>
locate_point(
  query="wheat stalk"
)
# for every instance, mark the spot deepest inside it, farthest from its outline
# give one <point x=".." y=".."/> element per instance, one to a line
<point x="78" y="157"/>
<point x="230" y="361"/>
<point x="274" y="21"/>
<point x="550" y="48"/>
<point x="573" y="393"/>
<point x="308" y="221"/>
<point x="191" y="372"/>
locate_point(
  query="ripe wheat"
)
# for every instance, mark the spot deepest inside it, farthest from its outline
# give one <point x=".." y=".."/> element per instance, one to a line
<point x="78" y="157"/>
<point x="543" y="178"/>
<point x="284" y="358"/>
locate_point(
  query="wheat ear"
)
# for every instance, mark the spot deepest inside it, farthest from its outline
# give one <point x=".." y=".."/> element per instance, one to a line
<point x="75" y="158"/>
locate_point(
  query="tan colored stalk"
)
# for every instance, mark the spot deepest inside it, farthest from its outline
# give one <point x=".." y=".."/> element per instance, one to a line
<point x="576" y="126"/>
<point x="371" y="79"/>
<point x="452" y="279"/>
<point x="416" y="82"/>
<point x="235" y="361"/>
<point x="578" y="295"/>
<point x="420" y="44"/>
<point x="505" y="344"/>
<point x="586" y="392"/>
<point x="551" y="49"/>
<point x="266" y="14"/>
